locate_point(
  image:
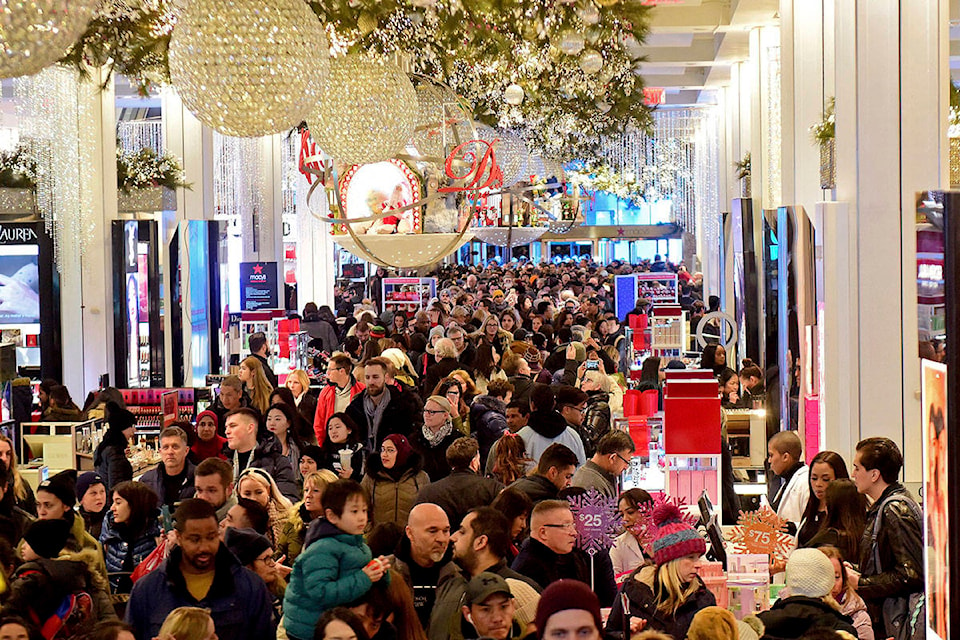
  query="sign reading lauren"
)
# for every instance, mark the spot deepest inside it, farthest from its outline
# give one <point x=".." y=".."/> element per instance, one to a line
<point x="258" y="286"/>
<point x="18" y="234"/>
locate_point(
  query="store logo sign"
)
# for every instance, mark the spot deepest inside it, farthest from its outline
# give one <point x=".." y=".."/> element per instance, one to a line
<point x="17" y="235"/>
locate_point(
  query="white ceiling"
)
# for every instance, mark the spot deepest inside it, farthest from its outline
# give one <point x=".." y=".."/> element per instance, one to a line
<point x="693" y="43"/>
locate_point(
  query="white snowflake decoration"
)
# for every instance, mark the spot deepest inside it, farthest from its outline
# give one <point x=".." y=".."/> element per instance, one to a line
<point x="597" y="519"/>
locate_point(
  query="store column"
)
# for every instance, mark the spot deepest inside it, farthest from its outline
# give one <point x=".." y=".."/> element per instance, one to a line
<point x="891" y="100"/>
<point x="86" y="292"/>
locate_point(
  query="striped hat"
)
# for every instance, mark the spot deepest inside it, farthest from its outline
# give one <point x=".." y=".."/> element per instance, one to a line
<point x="675" y="538"/>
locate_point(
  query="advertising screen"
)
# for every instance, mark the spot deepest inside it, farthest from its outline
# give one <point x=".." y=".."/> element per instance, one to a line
<point x="19" y="284"/>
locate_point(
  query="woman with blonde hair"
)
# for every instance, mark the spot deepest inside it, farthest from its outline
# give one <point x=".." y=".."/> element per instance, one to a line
<point x="188" y="623"/>
<point x="256" y="384"/>
<point x="467" y="385"/>
<point x="259" y="486"/>
<point x="294" y="530"/>
<point x="299" y="384"/>
<point x="22" y="492"/>
<point x="669" y="593"/>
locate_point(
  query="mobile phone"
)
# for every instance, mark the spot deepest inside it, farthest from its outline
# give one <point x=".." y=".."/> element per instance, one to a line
<point x="592" y="365"/>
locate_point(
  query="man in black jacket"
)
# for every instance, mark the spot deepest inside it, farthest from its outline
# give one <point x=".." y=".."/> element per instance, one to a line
<point x="259" y="349"/>
<point x="464" y="488"/>
<point x="891" y="549"/>
<point x="422" y="554"/>
<point x="172" y="479"/>
<point x="554" y="472"/>
<point x="381" y="409"/>
<point x="243" y="451"/>
<point x="549" y="554"/>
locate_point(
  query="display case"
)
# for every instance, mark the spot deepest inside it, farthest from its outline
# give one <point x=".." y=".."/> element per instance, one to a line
<point x="287" y="343"/>
<point x="408" y="295"/>
<point x="46" y="448"/>
<point x="145" y="404"/>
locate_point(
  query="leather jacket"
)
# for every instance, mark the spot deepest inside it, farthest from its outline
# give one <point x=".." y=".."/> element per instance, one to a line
<point x="900" y="545"/>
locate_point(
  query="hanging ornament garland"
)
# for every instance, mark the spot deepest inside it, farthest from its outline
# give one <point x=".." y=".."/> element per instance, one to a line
<point x="577" y="64"/>
<point x="367" y="111"/>
<point x="34" y="34"/>
<point x="249" y="68"/>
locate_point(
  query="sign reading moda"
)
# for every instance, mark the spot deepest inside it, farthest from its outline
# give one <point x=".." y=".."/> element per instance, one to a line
<point x="258" y="286"/>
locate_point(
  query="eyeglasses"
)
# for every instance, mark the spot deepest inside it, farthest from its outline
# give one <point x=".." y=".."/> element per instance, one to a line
<point x="622" y="459"/>
<point x="578" y="409"/>
<point x="385" y="450"/>
<point x="567" y="526"/>
<point x="267" y="560"/>
<point x="431" y="411"/>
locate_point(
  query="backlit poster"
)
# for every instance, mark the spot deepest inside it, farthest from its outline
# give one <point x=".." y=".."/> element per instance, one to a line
<point x="936" y="515"/>
<point x="131" y="234"/>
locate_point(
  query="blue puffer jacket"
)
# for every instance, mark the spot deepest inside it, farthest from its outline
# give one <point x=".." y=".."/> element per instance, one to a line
<point x="327" y="574"/>
<point x="116" y="549"/>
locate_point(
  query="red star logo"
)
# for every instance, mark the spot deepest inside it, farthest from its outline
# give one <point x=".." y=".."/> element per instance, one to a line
<point x="620" y="232"/>
<point x="258" y="269"/>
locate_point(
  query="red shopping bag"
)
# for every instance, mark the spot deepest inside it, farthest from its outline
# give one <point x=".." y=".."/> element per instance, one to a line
<point x="151" y="562"/>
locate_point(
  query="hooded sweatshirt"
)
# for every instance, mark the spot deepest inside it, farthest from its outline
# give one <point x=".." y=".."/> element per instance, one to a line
<point x="547" y="427"/>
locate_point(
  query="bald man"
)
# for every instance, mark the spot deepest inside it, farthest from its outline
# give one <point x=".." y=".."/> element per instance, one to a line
<point x="423" y="553"/>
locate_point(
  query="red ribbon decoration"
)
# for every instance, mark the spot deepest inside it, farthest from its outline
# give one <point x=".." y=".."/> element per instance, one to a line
<point x="308" y="149"/>
<point x="484" y="172"/>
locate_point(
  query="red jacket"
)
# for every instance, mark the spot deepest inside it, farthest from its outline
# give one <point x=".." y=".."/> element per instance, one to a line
<point x="213" y="449"/>
<point x="325" y="406"/>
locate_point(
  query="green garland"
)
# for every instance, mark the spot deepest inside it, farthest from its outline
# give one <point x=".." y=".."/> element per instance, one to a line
<point x="478" y="47"/>
<point x="18" y="169"/>
<point x="825" y="130"/>
<point x="596" y="176"/>
<point x="144" y="169"/>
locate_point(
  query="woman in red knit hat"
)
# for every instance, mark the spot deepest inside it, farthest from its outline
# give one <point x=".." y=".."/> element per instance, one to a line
<point x="666" y="595"/>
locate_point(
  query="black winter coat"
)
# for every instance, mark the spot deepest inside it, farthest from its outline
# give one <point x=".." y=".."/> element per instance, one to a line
<point x="111" y="461"/>
<point x="458" y="493"/>
<point x="403" y="415"/>
<point x="792" y="617"/>
<point x="437" y="372"/>
<point x="537" y="488"/>
<point x="434" y="458"/>
<point x="539" y="563"/>
<point x="156" y="477"/>
<point x="488" y="420"/>
<point x="268" y="455"/>
<point x="643" y="604"/>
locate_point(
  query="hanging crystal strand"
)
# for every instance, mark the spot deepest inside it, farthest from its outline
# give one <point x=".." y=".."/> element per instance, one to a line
<point x="55" y="123"/>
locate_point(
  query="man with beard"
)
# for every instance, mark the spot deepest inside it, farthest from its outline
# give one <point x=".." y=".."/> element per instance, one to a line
<point x="423" y="553"/>
<point x="480" y="545"/>
<point x="341" y="389"/>
<point x="381" y="409"/>
<point x="201" y="572"/>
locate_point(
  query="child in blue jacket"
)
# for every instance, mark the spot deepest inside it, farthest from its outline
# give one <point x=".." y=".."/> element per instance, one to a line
<point x="337" y="566"/>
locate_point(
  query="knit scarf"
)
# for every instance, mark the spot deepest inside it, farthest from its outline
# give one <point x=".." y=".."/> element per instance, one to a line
<point x="374" y="414"/>
<point x="433" y="439"/>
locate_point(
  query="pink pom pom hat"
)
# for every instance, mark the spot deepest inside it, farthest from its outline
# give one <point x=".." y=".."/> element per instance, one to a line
<point x="675" y="538"/>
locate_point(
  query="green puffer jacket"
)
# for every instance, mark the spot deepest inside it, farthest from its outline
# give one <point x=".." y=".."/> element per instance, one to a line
<point x="327" y="574"/>
<point x="391" y="499"/>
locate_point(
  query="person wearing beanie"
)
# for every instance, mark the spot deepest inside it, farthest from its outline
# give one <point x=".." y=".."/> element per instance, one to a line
<point x="565" y="608"/>
<point x="44" y="539"/>
<point x="434" y="436"/>
<point x="393" y="479"/>
<point x="56" y="498"/>
<point x="50" y="573"/>
<point x="667" y="595"/>
<point x="810" y="579"/>
<point x="209" y="443"/>
<point x="92" y="496"/>
<point x="110" y="458"/>
<point x="255" y="552"/>
<point x="310" y="458"/>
